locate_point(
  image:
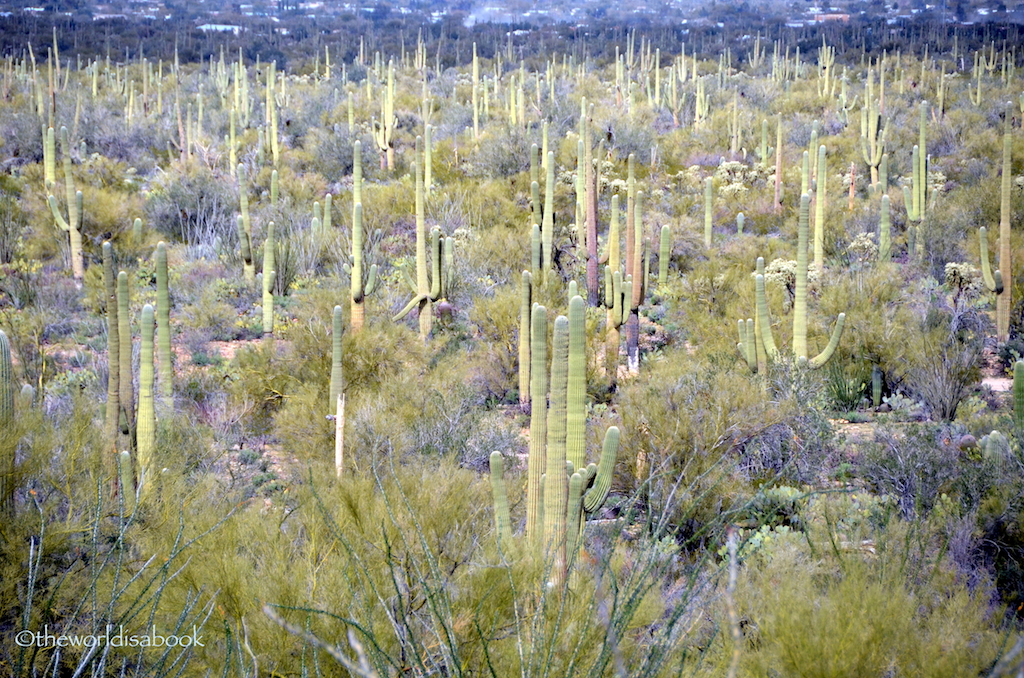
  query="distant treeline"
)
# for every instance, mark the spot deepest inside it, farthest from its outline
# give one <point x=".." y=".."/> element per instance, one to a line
<point x="294" y="42"/>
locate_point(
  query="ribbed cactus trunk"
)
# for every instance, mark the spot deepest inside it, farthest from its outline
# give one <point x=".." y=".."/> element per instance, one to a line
<point x="1018" y="395"/>
<point x="800" y="296"/>
<point x="426" y="311"/>
<point x="538" y="423"/>
<point x="113" y="409"/>
<point x="884" y="233"/>
<point x="146" y="436"/>
<point x="245" y="228"/>
<point x="357" y="316"/>
<point x="269" y="275"/>
<point x="163" y="329"/>
<point x="555" y="484"/>
<point x="576" y="404"/>
<point x="525" y="311"/>
<point x="337" y="396"/>
<point x="820" y="197"/>
<point x="548" y="220"/>
<point x="126" y="381"/>
<point x="7" y="452"/>
<point x="1004" y="300"/>
<point x="591" y="215"/>
<point x="637" y="291"/>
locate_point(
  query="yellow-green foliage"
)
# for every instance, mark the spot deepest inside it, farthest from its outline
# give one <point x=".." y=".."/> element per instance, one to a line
<point x="847" y="600"/>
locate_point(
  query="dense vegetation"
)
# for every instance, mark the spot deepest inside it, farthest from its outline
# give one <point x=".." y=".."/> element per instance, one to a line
<point x="265" y="330"/>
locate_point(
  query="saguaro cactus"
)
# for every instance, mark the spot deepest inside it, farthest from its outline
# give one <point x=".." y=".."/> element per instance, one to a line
<point x="337" y="376"/>
<point x="384" y="129"/>
<point x="245" y="228"/>
<point x="799" y="308"/>
<point x="163" y="328"/>
<point x="557" y="507"/>
<point x="146" y="431"/>
<point x="113" y="349"/>
<point x="6" y="419"/>
<point x="72" y="224"/>
<point x="1003" y="301"/>
<point x="525" y="309"/>
<point x="993" y="280"/>
<point x="269" y="278"/>
<point x="425" y="290"/>
<point x="124" y="337"/>
<point x="363" y="281"/>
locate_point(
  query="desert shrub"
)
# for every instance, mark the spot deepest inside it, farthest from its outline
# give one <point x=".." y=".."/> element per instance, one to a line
<point x="194" y="205"/>
<point x="944" y="367"/>
<point x="11" y="219"/>
<point x="500" y="156"/>
<point x="871" y="604"/>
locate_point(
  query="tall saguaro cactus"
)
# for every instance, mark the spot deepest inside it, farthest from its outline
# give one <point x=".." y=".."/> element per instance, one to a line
<point x="384" y="129"/>
<point x="113" y="412"/>
<point x="337" y="396"/>
<point x="6" y="419"/>
<point x="269" y="278"/>
<point x="72" y="225"/>
<point x="146" y="431"/>
<point x="124" y="337"/>
<point x="163" y="328"/>
<point x="561" y="491"/>
<point x="799" y="308"/>
<point x="248" y="251"/>
<point x="427" y="290"/>
<point x="1003" y="301"/>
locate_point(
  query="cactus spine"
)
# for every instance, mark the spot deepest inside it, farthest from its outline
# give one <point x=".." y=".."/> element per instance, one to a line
<point x="71" y="225"/>
<point x="146" y="431"/>
<point x="163" y="328"/>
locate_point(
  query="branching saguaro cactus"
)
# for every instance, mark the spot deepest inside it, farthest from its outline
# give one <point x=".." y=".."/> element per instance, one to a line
<point x="872" y="130"/>
<point x="747" y="345"/>
<point x="384" y="129"/>
<point x="72" y="225"/>
<point x="993" y="280"/>
<point x="363" y="280"/>
<point x="427" y="289"/>
<point x="561" y="492"/>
